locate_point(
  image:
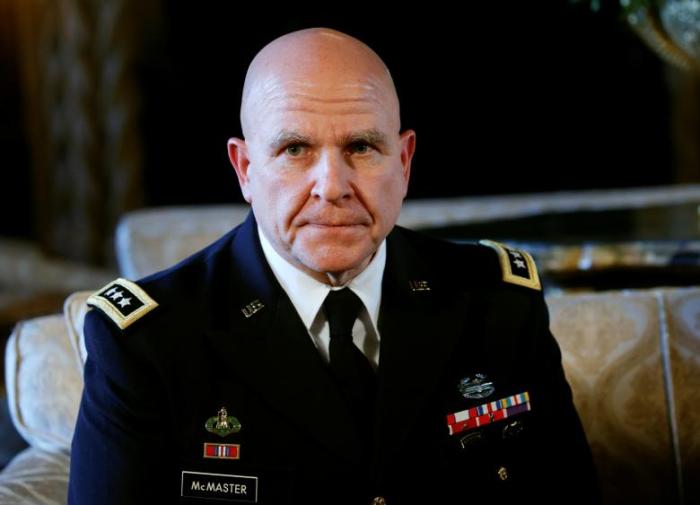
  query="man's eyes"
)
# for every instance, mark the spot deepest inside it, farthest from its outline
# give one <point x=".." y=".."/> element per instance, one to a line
<point x="360" y="147"/>
<point x="296" y="150"/>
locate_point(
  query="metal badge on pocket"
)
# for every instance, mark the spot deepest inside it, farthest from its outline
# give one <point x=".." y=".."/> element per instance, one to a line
<point x="476" y="388"/>
<point x="222" y="424"/>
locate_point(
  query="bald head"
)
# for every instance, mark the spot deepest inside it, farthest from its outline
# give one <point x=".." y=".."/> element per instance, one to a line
<point x="317" y="63"/>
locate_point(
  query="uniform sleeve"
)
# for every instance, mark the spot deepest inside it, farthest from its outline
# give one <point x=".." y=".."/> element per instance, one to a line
<point x="118" y="435"/>
<point x="567" y="458"/>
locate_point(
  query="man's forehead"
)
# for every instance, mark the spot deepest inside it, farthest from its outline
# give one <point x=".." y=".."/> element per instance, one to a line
<point x="289" y="93"/>
<point x="322" y="115"/>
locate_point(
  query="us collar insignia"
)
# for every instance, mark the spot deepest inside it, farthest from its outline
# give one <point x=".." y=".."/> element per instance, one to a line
<point x="252" y="308"/>
<point x="419" y="285"/>
<point x="222" y="424"/>
<point x="476" y="388"/>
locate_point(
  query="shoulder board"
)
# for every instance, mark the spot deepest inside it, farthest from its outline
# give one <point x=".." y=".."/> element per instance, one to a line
<point x="123" y="301"/>
<point x="517" y="266"/>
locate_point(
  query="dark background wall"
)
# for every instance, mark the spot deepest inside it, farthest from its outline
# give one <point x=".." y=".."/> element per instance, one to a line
<point x="529" y="97"/>
<point x="505" y="97"/>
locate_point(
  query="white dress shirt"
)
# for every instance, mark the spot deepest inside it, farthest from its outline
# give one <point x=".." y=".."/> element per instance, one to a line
<point x="307" y="295"/>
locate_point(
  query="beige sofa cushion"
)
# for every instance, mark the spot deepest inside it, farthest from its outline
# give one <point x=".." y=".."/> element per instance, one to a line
<point x="43" y="373"/>
<point x="35" y="477"/>
<point x="633" y="361"/>
<point x="43" y="381"/>
<point x="149" y="240"/>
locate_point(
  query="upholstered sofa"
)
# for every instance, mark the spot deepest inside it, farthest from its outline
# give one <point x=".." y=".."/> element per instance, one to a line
<point x="632" y="357"/>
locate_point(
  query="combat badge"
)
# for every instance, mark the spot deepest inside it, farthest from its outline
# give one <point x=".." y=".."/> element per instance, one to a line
<point x="222" y="424"/>
<point x="517" y="266"/>
<point x="123" y="301"/>
<point x="476" y="388"/>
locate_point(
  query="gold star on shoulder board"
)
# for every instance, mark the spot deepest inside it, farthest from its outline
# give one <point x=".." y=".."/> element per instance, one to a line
<point x="517" y="266"/>
<point x="123" y="301"/>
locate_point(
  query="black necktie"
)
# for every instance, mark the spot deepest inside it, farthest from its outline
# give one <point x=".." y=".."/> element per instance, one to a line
<point x="351" y="368"/>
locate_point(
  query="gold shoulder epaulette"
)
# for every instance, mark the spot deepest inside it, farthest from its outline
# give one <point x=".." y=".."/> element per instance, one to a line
<point x="517" y="266"/>
<point x="123" y="301"/>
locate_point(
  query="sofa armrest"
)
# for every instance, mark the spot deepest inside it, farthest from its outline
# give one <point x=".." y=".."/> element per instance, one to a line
<point x="35" y="476"/>
<point x="74" y="310"/>
<point x="43" y="383"/>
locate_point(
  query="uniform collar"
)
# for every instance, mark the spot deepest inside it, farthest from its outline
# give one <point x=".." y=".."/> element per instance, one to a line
<point x="307" y="294"/>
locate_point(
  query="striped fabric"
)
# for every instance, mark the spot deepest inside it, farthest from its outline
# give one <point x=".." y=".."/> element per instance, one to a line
<point x="488" y="413"/>
<point x="222" y="451"/>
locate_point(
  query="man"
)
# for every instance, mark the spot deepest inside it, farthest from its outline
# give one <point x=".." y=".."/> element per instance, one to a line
<point x="317" y="353"/>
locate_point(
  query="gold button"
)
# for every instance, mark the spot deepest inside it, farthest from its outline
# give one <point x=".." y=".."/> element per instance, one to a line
<point x="379" y="500"/>
<point x="503" y="473"/>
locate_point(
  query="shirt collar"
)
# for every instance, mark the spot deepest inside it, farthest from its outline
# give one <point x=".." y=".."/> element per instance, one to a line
<point x="307" y="294"/>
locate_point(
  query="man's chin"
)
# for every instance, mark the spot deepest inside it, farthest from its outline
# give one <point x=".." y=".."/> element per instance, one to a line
<point x="339" y="267"/>
<point x="335" y="260"/>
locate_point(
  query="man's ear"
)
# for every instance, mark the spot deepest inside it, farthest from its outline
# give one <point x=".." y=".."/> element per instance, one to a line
<point x="238" y="155"/>
<point x="408" y="147"/>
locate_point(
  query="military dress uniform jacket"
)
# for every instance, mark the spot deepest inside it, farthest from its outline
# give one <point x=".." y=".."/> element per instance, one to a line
<point x="217" y="331"/>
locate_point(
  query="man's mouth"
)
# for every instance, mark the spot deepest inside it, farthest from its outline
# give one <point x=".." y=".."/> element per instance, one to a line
<point x="335" y="225"/>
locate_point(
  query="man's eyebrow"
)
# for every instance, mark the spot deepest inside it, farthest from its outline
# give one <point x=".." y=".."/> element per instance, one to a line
<point x="286" y="137"/>
<point x="371" y="136"/>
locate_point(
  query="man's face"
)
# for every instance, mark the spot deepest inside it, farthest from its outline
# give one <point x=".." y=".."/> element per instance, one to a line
<point x="325" y="170"/>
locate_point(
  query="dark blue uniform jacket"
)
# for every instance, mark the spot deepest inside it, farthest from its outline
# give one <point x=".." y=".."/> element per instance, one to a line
<point x="224" y="334"/>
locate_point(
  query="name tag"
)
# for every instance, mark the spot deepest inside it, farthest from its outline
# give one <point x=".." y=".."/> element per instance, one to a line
<point x="234" y="488"/>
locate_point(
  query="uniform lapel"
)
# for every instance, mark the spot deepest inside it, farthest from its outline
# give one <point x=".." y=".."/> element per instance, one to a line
<point x="269" y="348"/>
<point x="421" y="318"/>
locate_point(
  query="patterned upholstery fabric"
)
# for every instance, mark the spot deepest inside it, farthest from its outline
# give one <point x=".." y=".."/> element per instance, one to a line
<point x="35" y="477"/>
<point x="611" y="345"/>
<point x="683" y="320"/>
<point x="44" y="383"/>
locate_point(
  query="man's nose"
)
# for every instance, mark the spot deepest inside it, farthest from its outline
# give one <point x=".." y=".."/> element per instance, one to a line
<point x="332" y="177"/>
